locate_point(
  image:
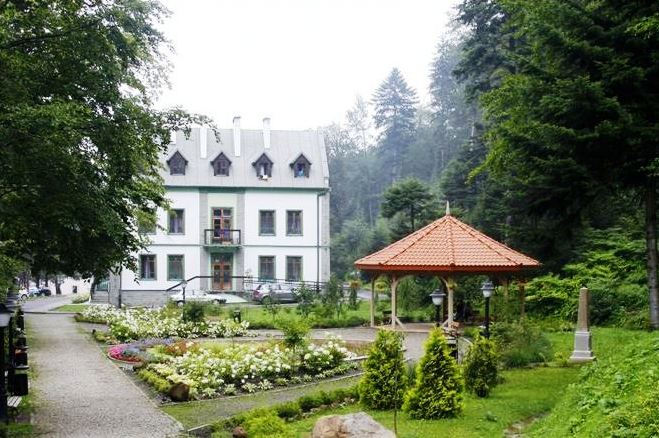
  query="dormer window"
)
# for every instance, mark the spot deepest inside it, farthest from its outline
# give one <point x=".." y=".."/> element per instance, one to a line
<point x="177" y="164"/>
<point x="221" y="165"/>
<point x="301" y="167"/>
<point x="263" y="167"/>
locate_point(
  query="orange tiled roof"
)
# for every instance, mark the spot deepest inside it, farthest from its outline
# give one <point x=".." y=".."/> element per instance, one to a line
<point x="447" y="245"/>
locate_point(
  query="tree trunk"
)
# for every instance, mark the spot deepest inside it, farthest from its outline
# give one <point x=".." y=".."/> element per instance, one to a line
<point x="651" y="251"/>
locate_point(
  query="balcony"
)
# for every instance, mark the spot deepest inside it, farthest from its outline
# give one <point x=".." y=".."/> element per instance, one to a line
<point x="222" y="238"/>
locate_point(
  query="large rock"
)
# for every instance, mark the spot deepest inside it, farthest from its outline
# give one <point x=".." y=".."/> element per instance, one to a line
<point x="359" y="425"/>
<point x="179" y="392"/>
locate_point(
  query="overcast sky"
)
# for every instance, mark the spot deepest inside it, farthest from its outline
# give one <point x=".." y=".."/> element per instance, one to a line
<point x="300" y="62"/>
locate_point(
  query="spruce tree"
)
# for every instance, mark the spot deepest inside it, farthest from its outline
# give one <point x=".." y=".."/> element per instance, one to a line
<point x="481" y="367"/>
<point x="385" y="378"/>
<point x="395" y="113"/>
<point x="438" y="387"/>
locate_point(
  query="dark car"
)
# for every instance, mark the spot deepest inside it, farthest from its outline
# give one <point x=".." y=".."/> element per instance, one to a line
<point x="44" y="291"/>
<point x="277" y="292"/>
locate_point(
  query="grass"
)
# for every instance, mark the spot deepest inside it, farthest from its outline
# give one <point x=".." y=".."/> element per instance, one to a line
<point x="71" y="308"/>
<point x="198" y="413"/>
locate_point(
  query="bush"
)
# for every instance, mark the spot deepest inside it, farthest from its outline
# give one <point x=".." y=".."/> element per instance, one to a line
<point x="159" y="383"/>
<point x="480" y="367"/>
<point x="79" y="299"/>
<point x="521" y="343"/>
<point x="193" y="312"/>
<point x="266" y="425"/>
<point x="438" y="386"/>
<point x="309" y="402"/>
<point x="288" y="411"/>
<point x="295" y="332"/>
<point x="385" y="379"/>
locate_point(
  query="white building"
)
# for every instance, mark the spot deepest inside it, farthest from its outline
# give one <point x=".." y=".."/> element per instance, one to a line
<point x="256" y="203"/>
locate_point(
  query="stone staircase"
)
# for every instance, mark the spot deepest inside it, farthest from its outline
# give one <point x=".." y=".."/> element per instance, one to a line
<point x="101" y="297"/>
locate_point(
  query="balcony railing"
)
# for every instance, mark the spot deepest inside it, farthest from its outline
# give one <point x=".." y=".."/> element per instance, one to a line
<point x="219" y="236"/>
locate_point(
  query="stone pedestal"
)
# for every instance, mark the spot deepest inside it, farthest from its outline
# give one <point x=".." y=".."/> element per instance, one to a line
<point x="582" y="337"/>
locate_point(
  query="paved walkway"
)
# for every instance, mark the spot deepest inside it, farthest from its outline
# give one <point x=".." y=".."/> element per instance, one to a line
<point x="82" y="394"/>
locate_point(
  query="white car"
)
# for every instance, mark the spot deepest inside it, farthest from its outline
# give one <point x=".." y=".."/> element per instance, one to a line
<point x="203" y="296"/>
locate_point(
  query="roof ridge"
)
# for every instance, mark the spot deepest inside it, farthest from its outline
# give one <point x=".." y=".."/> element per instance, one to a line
<point x="431" y="226"/>
<point x="488" y="242"/>
<point x="450" y="240"/>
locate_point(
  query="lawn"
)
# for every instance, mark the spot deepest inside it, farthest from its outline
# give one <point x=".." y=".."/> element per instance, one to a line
<point x="198" y="413"/>
<point x="71" y="308"/>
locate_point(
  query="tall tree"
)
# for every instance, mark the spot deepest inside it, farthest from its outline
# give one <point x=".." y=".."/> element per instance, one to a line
<point x="579" y="113"/>
<point x="411" y="204"/>
<point x="80" y="140"/>
<point x="394" y="116"/>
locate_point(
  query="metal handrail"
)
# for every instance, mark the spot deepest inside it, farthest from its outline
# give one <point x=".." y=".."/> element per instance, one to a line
<point x="222" y="236"/>
<point x="310" y="284"/>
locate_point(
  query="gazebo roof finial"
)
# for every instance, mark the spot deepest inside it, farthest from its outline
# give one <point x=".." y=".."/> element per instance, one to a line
<point x="448" y="208"/>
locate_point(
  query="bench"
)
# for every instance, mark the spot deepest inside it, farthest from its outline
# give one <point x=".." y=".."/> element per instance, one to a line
<point x="14" y="401"/>
<point x="386" y="317"/>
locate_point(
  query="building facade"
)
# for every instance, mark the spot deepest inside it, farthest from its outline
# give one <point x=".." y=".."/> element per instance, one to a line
<point x="253" y="204"/>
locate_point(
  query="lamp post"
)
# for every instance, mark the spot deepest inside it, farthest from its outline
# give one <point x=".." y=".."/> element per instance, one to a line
<point x="487" y="288"/>
<point x="5" y="318"/>
<point x="184" y="284"/>
<point x="437" y="299"/>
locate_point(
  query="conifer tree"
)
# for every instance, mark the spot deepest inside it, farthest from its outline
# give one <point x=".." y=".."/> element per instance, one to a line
<point x="385" y="379"/>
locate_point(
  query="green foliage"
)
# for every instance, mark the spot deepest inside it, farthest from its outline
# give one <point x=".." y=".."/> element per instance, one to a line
<point x="160" y="384"/>
<point x="78" y="80"/>
<point x="309" y="402"/>
<point x="385" y="379"/>
<point x="192" y="311"/>
<point x="80" y="298"/>
<point x="480" y="367"/>
<point x="306" y="298"/>
<point x="332" y="299"/>
<point x="288" y="411"/>
<point x="520" y="343"/>
<point x="266" y="425"/>
<point x="616" y="396"/>
<point x="437" y="390"/>
<point x="412" y="200"/>
<point x="271" y="306"/>
<point x="295" y="332"/>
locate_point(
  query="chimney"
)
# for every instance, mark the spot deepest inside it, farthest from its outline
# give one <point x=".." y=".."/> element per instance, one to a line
<point x="236" y="136"/>
<point x="203" y="142"/>
<point x="266" y="132"/>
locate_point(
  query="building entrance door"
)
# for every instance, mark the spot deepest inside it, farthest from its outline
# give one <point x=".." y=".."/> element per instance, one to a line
<point x="222" y="268"/>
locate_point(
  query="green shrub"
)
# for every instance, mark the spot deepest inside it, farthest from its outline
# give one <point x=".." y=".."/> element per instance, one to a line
<point x="480" y="367"/>
<point x="193" y="311"/>
<point x="385" y="379"/>
<point x="437" y="390"/>
<point x="266" y="425"/>
<point x="309" y="402"/>
<point x="288" y="411"/>
<point x="160" y="384"/>
<point x="305" y="300"/>
<point x="80" y="298"/>
<point x="520" y="343"/>
<point x="295" y="332"/>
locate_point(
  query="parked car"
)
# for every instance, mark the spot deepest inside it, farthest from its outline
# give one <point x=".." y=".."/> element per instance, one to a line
<point x="44" y="291"/>
<point x="203" y="296"/>
<point x="277" y="292"/>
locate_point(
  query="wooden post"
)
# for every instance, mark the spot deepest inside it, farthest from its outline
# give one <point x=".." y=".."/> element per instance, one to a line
<point x="394" y="316"/>
<point x="373" y="302"/>
<point x="450" y="284"/>
<point x="522" y="297"/>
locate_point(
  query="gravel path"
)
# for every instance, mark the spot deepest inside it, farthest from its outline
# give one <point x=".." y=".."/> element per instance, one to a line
<point x="82" y="394"/>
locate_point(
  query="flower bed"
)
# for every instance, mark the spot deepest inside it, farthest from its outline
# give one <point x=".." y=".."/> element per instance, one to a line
<point x="133" y="324"/>
<point x="212" y="369"/>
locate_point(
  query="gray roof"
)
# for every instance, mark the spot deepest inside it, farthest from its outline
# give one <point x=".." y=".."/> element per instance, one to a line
<point x="285" y="147"/>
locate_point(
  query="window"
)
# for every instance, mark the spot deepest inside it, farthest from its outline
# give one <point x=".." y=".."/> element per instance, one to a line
<point x="175" y="267"/>
<point x="147" y="267"/>
<point x="266" y="267"/>
<point x="293" y="268"/>
<point x="263" y="167"/>
<point x="221" y="165"/>
<point x="267" y="222"/>
<point x="176" y="223"/>
<point x="294" y="223"/>
<point x="301" y="167"/>
<point x="177" y="164"/>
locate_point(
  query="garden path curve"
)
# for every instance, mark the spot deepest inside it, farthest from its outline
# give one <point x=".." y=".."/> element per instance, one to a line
<point x="82" y="394"/>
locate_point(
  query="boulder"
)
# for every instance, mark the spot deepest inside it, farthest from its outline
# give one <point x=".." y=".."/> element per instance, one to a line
<point x="239" y="432"/>
<point x="359" y="425"/>
<point x="179" y="392"/>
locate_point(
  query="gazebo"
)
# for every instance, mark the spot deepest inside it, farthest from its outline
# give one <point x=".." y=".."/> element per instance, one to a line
<point x="447" y="248"/>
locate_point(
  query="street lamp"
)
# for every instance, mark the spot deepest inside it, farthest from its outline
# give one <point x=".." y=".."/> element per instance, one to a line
<point x="437" y="299"/>
<point x="184" y="284"/>
<point x="487" y="288"/>
<point x="5" y="318"/>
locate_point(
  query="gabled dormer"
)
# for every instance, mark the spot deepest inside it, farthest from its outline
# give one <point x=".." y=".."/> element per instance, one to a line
<point x="221" y="165"/>
<point x="177" y="164"/>
<point x="301" y="167"/>
<point x="263" y="166"/>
